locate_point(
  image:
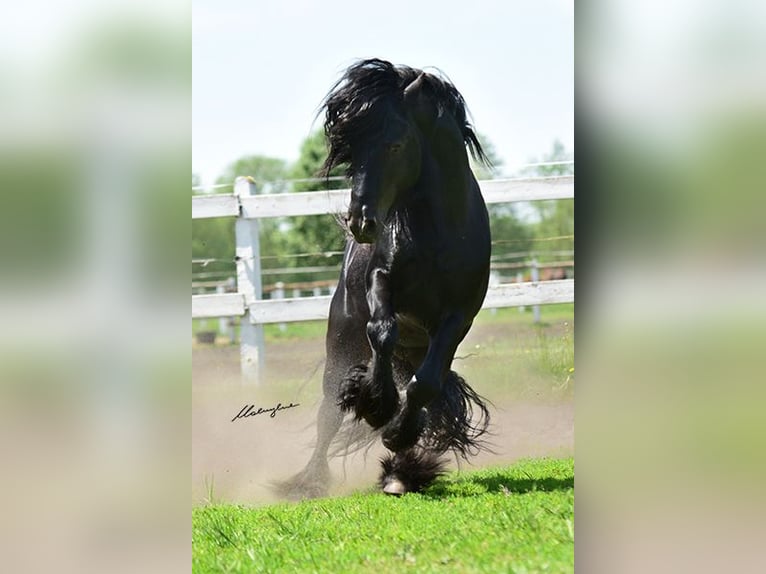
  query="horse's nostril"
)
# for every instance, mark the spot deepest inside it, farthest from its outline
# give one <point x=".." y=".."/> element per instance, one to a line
<point x="368" y="226"/>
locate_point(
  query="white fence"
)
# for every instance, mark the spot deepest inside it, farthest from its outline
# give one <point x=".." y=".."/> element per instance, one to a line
<point x="248" y="207"/>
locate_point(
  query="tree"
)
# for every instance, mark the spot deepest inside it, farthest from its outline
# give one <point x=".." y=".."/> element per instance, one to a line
<point x="510" y="235"/>
<point x="269" y="173"/>
<point x="558" y="153"/>
<point x="490" y="171"/>
<point x="556" y="217"/>
<point x="212" y="245"/>
<point x="213" y="239"/>
<point x="309" y="165"/>
<point x="305" y="240"/>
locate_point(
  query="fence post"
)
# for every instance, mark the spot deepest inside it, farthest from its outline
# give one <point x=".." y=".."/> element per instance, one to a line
<point x="279" y="293"/>
<point x="520" y="279"/>
<point x="231" y="332"/>
<point x="222" y="321"/>
<point x="535" y="279"/>
<point x="494" y="280"/>
<point x="248" y="256"/>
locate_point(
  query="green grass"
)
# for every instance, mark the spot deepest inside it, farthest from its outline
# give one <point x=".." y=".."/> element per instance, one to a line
<point x="272" y="332"/>
<point x="511" y="519"/>
<point x="549" y="314"/>
<point x="515" y="358"/>
<point x="554" y="355"/>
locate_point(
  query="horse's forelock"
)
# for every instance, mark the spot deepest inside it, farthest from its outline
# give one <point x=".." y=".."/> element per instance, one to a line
<point x="350" y="106"/>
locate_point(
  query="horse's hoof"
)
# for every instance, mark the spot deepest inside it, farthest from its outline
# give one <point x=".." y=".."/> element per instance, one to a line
<point x="409" y="471"/>
<point x="394" y="487"/>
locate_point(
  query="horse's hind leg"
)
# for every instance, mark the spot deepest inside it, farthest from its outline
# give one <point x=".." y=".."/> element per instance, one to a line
<point x="346" y="347"/>
<point x="314" y="480"/>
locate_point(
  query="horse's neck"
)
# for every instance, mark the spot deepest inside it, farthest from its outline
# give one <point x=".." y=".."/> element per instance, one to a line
<point x="447" y="174"/>
<point x="447" y="187"/>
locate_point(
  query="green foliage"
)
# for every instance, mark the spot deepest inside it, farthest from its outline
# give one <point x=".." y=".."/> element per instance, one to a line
<point x="482" y="171"/>
<point x="555" y="218"/>
<point x="555" y="355"/>
<point x="514" y="519"/>
<point x="214" y="238"/>
<point x="309" y="164"/>
<point x="509" y="233"/>
<point x="558" y="153"/>
<point x="313" y="236"/>
<point x="269" y="173"/>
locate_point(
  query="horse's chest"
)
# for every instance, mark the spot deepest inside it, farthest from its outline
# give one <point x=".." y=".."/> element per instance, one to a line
<point x="426" y="264"/>
<point x="430" y="276"/>
<point x="413" y="269"/>
<point x="424" y="283"/>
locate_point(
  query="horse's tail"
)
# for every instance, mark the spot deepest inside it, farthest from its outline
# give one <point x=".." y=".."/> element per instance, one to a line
<point x="457" y="420"/>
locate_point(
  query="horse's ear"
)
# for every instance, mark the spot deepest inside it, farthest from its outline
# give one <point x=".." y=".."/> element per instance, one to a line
<point x="419" y="102"/>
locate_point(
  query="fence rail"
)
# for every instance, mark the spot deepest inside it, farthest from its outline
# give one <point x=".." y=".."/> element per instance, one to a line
<point x="336" y="200"/>
<point x="312" y="308"/>
<point x="247" y="208"/>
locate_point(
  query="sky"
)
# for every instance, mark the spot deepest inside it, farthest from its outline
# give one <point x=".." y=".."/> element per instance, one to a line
<point x="261" y="69"/>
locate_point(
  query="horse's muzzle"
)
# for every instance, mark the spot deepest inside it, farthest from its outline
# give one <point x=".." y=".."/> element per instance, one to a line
<point x="364" y="228"/>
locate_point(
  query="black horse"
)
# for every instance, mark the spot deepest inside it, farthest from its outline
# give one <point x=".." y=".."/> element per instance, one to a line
<point x="414" y="276"/>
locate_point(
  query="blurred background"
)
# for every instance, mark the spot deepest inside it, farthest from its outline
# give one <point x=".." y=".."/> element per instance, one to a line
<point x="672" y="114"/>
<point x="94" y="372"/>
<point x="95" y="358"/>
<point x="260" y="75"/>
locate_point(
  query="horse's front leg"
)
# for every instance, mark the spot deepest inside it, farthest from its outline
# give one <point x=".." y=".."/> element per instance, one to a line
<point x="404" y="430"/>
<point x="369" y="390"/>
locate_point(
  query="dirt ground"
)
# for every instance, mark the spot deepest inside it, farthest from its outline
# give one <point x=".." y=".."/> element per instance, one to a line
<point x="234" y="461"/>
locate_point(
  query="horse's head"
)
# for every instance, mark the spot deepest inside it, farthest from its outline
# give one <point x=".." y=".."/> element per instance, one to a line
<point x="378" y="120"/>
<point x="381" y="169"/>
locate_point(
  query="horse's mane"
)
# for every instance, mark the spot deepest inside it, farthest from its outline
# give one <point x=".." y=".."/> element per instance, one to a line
<point x="352" y="113"/>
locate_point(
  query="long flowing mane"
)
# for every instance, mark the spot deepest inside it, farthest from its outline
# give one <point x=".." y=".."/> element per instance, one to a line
<point x="352" y="113"/>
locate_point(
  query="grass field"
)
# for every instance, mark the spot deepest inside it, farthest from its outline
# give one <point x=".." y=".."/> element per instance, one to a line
<point x="511" y="519"/>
